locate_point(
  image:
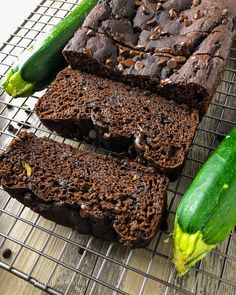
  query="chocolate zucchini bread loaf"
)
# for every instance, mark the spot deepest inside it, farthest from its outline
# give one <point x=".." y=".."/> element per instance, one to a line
<point x="119" y="118"/>
<point x="174" y="48"/>
<point x="110" y="199"/>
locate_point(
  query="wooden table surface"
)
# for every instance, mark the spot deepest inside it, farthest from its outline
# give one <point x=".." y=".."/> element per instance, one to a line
<point x="39" y="238"/>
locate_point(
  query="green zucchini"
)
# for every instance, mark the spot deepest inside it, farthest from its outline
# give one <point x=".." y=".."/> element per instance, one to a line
<point x="41" y="62"/>
<point x="207" y="213"/>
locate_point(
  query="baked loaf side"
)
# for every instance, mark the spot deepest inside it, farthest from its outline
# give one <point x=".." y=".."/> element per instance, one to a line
<point x="110" y="199"/>
<point x="119" y="118"/>
<point x="174" y="48"/>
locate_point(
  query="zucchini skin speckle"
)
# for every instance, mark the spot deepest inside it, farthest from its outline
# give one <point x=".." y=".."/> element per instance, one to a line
<point x="208" y="208"/>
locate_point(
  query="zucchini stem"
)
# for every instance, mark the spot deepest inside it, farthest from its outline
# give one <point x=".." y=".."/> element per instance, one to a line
<point x="188" y="249"/>
<point x="16" y="86"/>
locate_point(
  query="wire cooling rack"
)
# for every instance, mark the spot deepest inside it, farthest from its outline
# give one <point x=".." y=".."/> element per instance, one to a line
<point x="60" y="261"/>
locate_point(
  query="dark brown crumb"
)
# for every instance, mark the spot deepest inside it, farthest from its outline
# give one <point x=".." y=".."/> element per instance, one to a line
<point x="25" y="125"/>
<point x="9" y="106"/>
<point x="81" y="250"/>
<point x="12" y="129"/>
<point x="6" y="253"/>
<point x="27" y="109"/>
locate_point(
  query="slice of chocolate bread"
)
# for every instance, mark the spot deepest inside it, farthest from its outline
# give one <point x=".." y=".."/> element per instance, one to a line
<point x="174" y="48"/>
<point x="99" y="195"/>
<point x="119" y="118"/>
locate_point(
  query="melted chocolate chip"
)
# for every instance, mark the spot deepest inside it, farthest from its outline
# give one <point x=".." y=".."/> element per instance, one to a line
<point x="81" y="250"/>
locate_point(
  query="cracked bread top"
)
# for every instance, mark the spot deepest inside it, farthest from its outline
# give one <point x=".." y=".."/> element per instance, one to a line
<point x="160" y="45"/>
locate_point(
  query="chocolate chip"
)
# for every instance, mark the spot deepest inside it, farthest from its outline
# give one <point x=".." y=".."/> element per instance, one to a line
<point x="187" y="22"/>
<point x="134" y="53"/>
<point x="154" y="36"/>
<point x="129" y="62"/>
<point x="172" y="64"/>
<point x="225" y="12"/>
<point x="181" y="18"/>
<point x="162" y="62"/>
<point x="164" y="33"/>
<point x="145" y="10"/>
<point x="83" y="213"/>
<point x="120" y="58"/>
<point x="90" y="33"/>
<point x="165" y="73"/>
<point x="88" y="51"/>
<point x="160" y="53"/>
<point x="139" y="65"/>
<point x="140" y="47"/>
<point x="184" y="49"/>
<point x="7" y="253"/>
<point x="224" y="21"/>
<point x="158" y="29"/>
<point x="195" y="3"/>
<point x="165" y="81"/>
<point x="124" y="52"/>
<point x="143" y="55"/>
<point x="109" y="62"/>
<point x="138" y="2"/>
<point x="179" y="59"/>
<point x="173" y="13"/>
<point x="159" y="6"/>
<point x="151" y="22"/>
<point x="198" y="15"/>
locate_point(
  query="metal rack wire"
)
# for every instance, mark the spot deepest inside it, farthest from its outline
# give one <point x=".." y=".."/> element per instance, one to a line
<point x="60" y="261"/>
